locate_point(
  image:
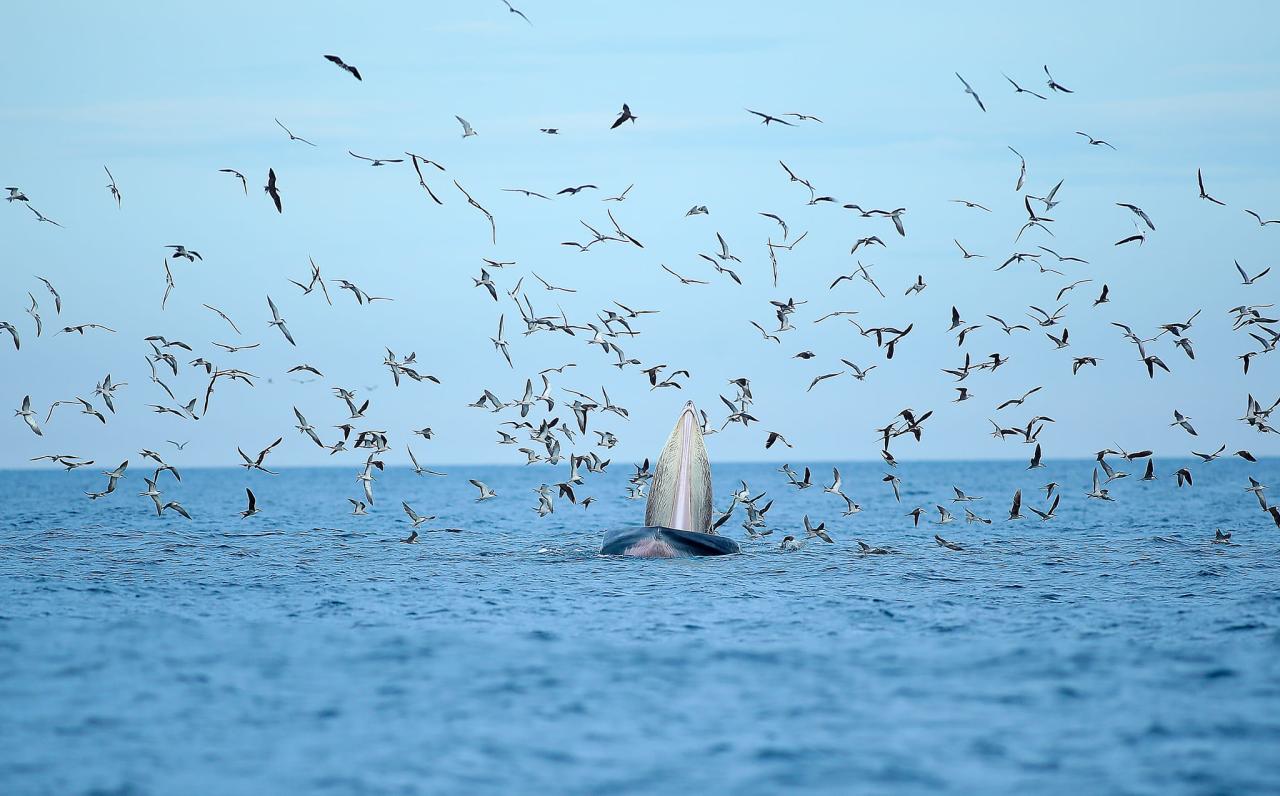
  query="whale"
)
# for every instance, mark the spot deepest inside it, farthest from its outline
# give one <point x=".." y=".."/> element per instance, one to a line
<point x="677" y="516"/>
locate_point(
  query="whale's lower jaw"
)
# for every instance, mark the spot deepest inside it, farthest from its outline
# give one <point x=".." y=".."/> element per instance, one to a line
<point x="651" y="548"/>
<point x="655" y="542"/>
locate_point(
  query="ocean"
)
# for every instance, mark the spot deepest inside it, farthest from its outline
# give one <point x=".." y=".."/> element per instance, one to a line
<point x="1115" y="649"/>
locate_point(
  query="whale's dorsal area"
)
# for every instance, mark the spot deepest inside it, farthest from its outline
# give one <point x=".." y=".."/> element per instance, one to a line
<point x="680" y="494"/>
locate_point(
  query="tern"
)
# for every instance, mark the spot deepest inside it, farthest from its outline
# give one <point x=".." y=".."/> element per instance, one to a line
<point x="345" y="66"/>
<point x="252" y="508"/>
<point x="969" y="90"/>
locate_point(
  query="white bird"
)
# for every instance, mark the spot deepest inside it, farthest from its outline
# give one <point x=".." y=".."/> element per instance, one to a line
<point x="278" y="322"/>
<point x="485" y="491"/>
<point x="414" y="517"/>
<point x="29" y="416"/>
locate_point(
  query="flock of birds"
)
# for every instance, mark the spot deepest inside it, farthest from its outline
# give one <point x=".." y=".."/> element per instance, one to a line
<point x="541" y="436"/>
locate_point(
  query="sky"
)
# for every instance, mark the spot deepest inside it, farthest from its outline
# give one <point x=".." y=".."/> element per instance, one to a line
<point x="165" y="95"/>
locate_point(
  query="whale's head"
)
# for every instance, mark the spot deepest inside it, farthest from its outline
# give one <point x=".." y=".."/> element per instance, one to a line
<point x="680" y="494"/>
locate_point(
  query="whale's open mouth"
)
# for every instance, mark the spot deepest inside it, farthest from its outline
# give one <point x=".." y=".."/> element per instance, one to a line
<point x="677" y="518"/>
<point x="680" y="494"/>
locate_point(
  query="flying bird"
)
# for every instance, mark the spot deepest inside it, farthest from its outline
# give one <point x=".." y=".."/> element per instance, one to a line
<point x="1055" y="85"/>
<point x="969" y="90"/>
<point x="272" y="190"/>
<point x="292" y="137"/>
<point x="344" y="65"/>
<point x="519" y="13"/>
<point x="1020" y="90"/>
<point x="766" y="118"/>
<point x="623" y="116"/>
<point x="111" y="186"/>
<point x="1204" y="195"/>
<point x="243" y="182"/>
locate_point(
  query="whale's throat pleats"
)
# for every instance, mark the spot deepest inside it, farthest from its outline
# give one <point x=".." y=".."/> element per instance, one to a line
<point x="680" y="495"/>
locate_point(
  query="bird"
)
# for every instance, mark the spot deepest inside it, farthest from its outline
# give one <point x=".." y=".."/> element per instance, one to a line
<point x="688" y="281"/>
<point x="1022" y="173"/>
<point x="493" y="227"/>
<point x="376" y="161"/>
<point x="1045" y="516"/>
<point x="500" y="344"/>
<point x="894" y="481"/>
<point x="467" y="129"/>
<point x="344" y="65"/>
<point x="255" y="463"/>
<point x="252" y="508"/>
<point x="279" y="322"/>
<point x="1017" y="89"/>
<point x="111" y="186"/>
<point x="516" y="11"/>
<point x="1098" y="492"/>
<point x="1035" y="459"/>
<point x="620" y="197"/>
<point x="774" y="437"/>
<point x="1015" y="511"/>
<point x="288" y="132"/>
<point x="42" y="217"/>
<point x="1208" y="457"/>
<point x="1094" y="141"/>
<point x="1139" y="212"/>
<point x="1055" y="85"/>
<point x="1204" y="195"/>
<point x="29" y="416"/>
<point x="624" y="115"/>
<point x="766" y="118"/>
<point x="1260" y="220"/>
<point x="5" y="326"/>
<point x="944" y="543"/>
<point x="485" y="492"/>
<point x="182" y="252"/>
<point x="819" y="531"/>
<point x="1182" y="420"/>
<point x="969" y="90"/>
<point x="243" y="182"/>
<point x="414" y="518"/>
<point x="1019" y="401"/>
<point x="272" y="190"/>
<point x="1249" y="280"/>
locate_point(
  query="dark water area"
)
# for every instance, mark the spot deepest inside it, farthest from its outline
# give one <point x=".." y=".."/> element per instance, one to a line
<point x="1115" y="649"/>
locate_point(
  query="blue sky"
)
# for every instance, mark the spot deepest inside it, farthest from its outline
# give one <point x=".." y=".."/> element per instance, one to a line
<point x="166" y="95"/>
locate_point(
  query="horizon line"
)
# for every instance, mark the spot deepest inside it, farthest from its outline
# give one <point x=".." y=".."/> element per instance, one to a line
<point x="810" y="463"/>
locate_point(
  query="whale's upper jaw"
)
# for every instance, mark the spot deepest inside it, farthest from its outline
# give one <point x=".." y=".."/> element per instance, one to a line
<point x="680" y="495"/>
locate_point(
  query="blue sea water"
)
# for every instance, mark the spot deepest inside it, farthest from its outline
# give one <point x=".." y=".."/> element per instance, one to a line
<point x="1112" y="650"/>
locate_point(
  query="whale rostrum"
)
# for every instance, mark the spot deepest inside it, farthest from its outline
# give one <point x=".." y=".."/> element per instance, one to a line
<point x="680" y="493"/>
